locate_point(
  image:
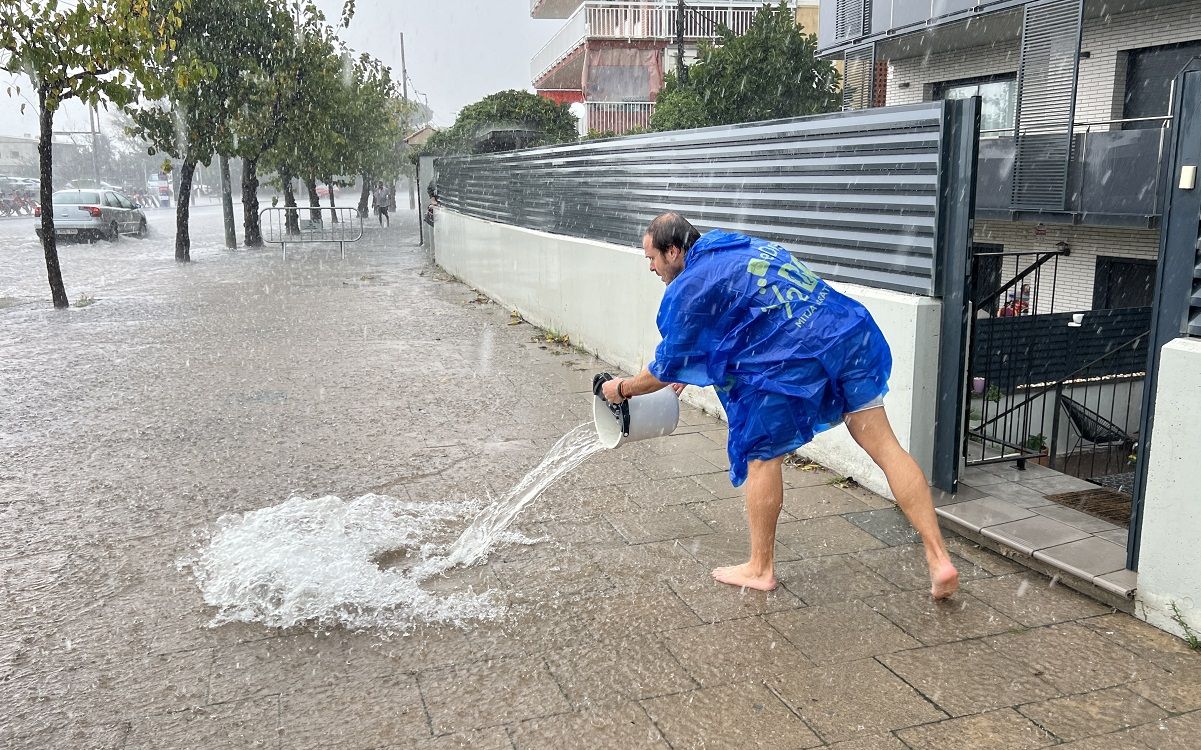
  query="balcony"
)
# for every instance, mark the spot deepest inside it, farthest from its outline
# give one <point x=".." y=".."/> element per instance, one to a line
<point x="1113" y="176"/>
<point x="553" y="8"/>
<point x="617" y="118"/>
<point x="555" y="65"/>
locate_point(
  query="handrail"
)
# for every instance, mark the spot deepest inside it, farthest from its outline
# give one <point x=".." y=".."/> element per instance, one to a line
<point x="1165" y="119"/>
<point x="1047" y="388"/>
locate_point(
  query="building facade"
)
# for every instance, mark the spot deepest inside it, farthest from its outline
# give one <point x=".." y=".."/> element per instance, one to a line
<point x="18" y="156"/>
<point x="1082" y="149"/>
<point x="610" y="57"/>
<point x="1075" y="102"/>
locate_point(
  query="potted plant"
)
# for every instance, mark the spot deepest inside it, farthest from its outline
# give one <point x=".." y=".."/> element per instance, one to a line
<point x="1037" y="443"/>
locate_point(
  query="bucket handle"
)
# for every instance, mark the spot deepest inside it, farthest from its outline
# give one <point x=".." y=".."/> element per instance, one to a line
<point x="621" y="412"/>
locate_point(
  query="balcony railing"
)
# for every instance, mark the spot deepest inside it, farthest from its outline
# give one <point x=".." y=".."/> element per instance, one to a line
<point x="618" y="117"/>
<point x="641" y="20"/>
<point x="1113" y="176"/>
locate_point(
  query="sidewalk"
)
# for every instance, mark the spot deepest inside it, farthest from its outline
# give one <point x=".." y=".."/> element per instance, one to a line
<point x="187" y="392"/>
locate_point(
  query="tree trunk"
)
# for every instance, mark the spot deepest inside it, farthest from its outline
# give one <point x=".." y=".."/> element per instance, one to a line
<point x="291" y="215"/>
<point x="334" y="217"/>
<point x="310" y="184"/>
<point x="58" y="293"/>
<point x="364" y="195"/>
<point x="227" y="205"/>
<point x="183" y="207"/>
<point x="250" y="203"/>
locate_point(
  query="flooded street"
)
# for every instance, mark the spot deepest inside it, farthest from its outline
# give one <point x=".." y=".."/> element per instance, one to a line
<point x="181" y="393"/>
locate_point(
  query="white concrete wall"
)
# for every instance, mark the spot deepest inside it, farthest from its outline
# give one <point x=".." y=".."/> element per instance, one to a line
<point x="605" y="298"/>
<point x="1169" y="562"/>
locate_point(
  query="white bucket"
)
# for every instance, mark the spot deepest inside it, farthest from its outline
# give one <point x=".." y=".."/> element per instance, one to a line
<point x="653" y="415"/>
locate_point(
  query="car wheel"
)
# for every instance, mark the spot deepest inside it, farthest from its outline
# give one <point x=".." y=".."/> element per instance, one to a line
<point x="141" y="229"/>
<point x="113" y="232"/>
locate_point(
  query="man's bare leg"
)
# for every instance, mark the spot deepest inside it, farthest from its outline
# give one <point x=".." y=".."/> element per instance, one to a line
<point x="764" y="498"/>
<point x="873" y="432"/>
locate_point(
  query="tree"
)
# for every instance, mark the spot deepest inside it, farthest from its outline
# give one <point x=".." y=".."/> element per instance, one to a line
<point x="216" y="41"/>
<point x="771" y="71"/>
<point x="274" y="83"/>
<point x="531" y="120"/>
<point x="377" y="120"/>
<point x="98" y="51"/>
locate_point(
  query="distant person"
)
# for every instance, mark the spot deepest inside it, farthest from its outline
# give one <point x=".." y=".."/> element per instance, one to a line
<point x="789" y="356"/>
<point x="381" y="199"/>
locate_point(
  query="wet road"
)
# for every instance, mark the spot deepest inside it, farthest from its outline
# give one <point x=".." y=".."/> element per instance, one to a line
<point x="184" y="392"/>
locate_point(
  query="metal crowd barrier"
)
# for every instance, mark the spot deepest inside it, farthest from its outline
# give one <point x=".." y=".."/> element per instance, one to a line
<point x="304" y="225"/>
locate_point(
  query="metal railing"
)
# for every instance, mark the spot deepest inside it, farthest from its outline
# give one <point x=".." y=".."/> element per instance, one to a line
<point x="305" y="225"/>
<point x="1114" y="168"/>
<point x="618" y="117"/>
<point x="641" y="20"/>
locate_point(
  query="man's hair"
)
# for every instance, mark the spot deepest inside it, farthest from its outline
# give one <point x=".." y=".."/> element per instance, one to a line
<point x="671" y="229"/>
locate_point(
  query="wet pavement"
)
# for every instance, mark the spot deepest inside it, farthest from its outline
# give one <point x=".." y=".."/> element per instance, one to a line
<point x="181" y="393"/>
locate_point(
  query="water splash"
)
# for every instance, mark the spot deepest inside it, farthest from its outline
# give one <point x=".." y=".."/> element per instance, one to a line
<point x="316" y="561"/>
<point x="478" y="539"/>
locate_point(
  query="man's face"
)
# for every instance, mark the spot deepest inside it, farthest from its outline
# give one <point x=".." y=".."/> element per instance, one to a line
<point x="667" y="264"/>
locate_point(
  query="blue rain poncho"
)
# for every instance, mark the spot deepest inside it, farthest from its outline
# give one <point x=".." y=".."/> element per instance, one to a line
<point x="787" y="354"/>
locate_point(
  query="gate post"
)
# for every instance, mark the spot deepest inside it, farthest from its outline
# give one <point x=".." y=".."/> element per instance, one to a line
<point x="956" y="206"/>
<point x="1179" y="242"/>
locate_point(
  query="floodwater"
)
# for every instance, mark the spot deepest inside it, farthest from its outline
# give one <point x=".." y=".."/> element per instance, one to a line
<point x="323" y="561"/>
<point x="244" y="386"/>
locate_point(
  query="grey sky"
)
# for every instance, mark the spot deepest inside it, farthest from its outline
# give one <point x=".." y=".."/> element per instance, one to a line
<point x="457" y="51"/>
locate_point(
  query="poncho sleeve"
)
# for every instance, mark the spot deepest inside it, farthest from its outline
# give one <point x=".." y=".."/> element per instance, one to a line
<point x="692" y="320"/>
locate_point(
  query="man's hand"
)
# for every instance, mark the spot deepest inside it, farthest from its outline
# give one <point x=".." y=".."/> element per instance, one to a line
<point x="611" y="390"/>
<point x="678" y="388"/>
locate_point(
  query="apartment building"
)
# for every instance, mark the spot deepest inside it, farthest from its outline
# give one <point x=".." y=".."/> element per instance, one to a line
<point x="610" y="56"/>
<point x="1075" y="103"/>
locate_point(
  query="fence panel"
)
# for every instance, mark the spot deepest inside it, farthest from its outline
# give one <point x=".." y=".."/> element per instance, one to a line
<point x="857" y="195"/>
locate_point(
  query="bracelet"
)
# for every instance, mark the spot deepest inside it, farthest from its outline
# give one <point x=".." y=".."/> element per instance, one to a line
<point x="620" y="383"/>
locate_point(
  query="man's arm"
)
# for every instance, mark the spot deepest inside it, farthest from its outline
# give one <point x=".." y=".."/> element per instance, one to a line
<point x="620" y="389"/>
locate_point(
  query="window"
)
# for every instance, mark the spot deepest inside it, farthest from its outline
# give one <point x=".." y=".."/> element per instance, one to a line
<point x="1149" y="76"/>
<point x="1123" y="282"/>
<point x="998" y="99"/>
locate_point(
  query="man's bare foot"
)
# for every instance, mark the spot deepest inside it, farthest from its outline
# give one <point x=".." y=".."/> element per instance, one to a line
<point x="944" y="579"/>
<point x="741" y="575"/>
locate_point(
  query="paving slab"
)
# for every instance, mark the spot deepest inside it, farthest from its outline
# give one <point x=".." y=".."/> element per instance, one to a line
<point x="1099" y="712"/>
<point x="840" y="632"/>
<point x="1005" y="728"/>
<point x="745" y="715"/>
<point x="969" y="678"/>
<point x="751" y="651"/>
<point x="850" y="700"/>
<point x="623" y="726"/>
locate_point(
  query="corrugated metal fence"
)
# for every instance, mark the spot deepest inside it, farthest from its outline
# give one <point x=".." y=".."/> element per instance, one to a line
<point x="857" y="194"/>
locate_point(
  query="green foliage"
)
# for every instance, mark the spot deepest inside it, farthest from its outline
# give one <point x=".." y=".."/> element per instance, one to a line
<point x="98" y="51"/>
<point x="993" y="394"/>
<point x="506" y="110"/>
<point x="1190" y="636"/>
<point x="769" y="72"/>
<point x="1036" y="442"/>
<point x="203" y="78"/>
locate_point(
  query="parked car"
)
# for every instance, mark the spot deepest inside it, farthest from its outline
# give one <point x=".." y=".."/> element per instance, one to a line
<point x="94" y="214"/>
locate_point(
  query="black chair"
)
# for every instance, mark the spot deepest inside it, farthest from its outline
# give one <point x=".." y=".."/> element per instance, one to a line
<point x="1093" y="427"/>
